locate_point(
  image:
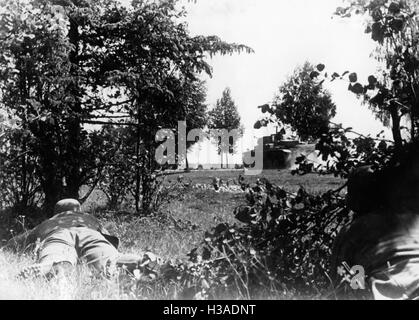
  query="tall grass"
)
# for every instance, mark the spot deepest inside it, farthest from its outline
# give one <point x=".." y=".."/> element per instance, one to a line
<point x="172" y="233"/>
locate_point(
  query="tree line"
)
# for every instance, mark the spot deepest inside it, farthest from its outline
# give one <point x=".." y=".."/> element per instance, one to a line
<point x="85" y="85"/>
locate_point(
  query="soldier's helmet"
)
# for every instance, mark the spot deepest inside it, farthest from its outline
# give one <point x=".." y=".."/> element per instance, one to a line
<point x="67" y="205"/>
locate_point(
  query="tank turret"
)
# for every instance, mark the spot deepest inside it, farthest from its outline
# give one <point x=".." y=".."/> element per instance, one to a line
<point x="277" y="151"/>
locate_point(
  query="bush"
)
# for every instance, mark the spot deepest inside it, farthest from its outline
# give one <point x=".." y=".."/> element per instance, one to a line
<point x="14" y="221"/>
<point x="282" y="246"/>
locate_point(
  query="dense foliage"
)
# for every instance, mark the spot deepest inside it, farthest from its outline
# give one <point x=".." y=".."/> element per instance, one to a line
<point x="282" y="242"/>
<point x="301" y="105"/>
<point x="392" y="93"/>
<point x="68" y="67"/>
<point x="280" y="246"/>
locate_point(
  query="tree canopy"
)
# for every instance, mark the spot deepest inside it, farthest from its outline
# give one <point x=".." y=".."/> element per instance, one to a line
<point x="392" y="93"/>
<point x="68" y="64"/>
<point x="302" y="104"/>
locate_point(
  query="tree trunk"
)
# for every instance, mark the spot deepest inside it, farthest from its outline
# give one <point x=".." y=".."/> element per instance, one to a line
<point x="73" y="175"/>
<point x="187" y="161"/>
<point x="397" y="137"/>
<point x="227" y="159"/>
<point x="52" y="195"/>
<point x="24" y="187"/>
<point x="413" y="115"/>
<point x="73" y="161"/>
<point x="137" y="169"/>
<point x="221" y="153"/>
<point x="49" y="171"/>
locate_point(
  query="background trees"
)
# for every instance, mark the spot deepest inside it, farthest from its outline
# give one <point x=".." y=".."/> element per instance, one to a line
<point x="68" y="66"/>
<point x="50" y="84"/>
<point x="19" y="182"/>
<point x="302" y="104"/>
<point x="225" y="117"/>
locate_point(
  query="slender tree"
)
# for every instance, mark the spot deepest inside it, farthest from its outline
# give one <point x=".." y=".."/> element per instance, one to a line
<point x="225" y="116"/>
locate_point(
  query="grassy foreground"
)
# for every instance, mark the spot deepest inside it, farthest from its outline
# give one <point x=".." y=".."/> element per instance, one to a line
<point x="172" y="233"/>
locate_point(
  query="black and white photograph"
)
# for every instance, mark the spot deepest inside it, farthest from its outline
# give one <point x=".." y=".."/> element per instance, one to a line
<point x="209" y="150"/>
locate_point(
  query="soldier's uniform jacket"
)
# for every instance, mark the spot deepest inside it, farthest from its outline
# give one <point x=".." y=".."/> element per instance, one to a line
<point x="63" y="220"/>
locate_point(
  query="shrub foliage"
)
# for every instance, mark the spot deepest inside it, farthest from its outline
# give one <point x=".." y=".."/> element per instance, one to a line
<point x="281" y="244"/>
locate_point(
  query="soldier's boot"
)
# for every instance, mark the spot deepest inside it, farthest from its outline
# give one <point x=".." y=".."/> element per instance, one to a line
<point x="46" y="270"/>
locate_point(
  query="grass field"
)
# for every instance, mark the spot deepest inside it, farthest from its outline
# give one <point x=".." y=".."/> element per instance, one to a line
<point x="178" y="228"/>
<point x="312" y="182"/>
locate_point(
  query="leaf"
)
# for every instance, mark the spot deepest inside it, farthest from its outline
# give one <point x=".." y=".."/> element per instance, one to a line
<point x="377" y="99"/>
<point x="340" y="10"/>
<point x="321" y="67"/>
<point x="264" y="123"/>
<point x="377" y="15"/>
<point x="257" y="125"/>
<point x="397" y="24"/>
<point x="377" y="33"/>
<point x="353" y="77"/>
<point x="220" y="228"/>
<point x="357" y="88"/>
<point x="265" y="108"/>
<point x="394" y="8"/>
<point x="335" y="75"/>
<point x="314" y="74"/>
<point x="372" y="80"/>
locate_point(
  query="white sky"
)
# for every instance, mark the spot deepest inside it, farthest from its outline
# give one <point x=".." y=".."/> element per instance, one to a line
<point x="284" y="34"/>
